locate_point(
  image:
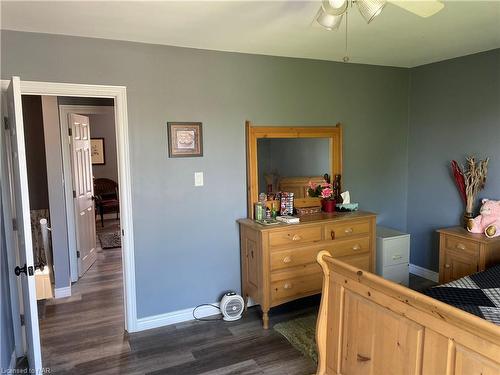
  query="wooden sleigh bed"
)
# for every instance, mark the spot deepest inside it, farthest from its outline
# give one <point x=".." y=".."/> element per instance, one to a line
<point x="369" y="325"/>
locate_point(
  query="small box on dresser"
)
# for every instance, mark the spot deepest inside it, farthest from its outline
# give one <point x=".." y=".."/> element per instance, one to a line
<point x="393" y="255"/>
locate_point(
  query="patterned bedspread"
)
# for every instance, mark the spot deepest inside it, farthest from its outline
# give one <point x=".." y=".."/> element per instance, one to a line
<point x="478" y="294"/>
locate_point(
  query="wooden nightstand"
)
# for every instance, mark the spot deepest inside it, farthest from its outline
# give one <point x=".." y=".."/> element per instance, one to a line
<point x="462" y="253"/>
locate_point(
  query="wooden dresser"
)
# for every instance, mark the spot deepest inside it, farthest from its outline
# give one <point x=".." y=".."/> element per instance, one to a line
<point x="462" y="253"/>
<point x="278" y="263"/>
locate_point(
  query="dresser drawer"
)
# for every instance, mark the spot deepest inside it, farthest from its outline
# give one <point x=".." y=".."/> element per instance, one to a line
<point x="461" y="244"/>
<point x="294" y="257"/>
<point x="361" y="261"/>
<point x="342" y="230"/>
<point x="295" y="287"/>
<point x="292" y="236"/>
<point x="346" y="247"/>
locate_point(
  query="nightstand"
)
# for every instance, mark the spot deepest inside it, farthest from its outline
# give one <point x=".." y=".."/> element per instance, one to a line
<point x="462" y="253"/>
<point x="393" y="255"/>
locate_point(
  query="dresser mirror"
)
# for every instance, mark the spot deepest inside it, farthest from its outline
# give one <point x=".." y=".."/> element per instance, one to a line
<point x="286" y="158"/>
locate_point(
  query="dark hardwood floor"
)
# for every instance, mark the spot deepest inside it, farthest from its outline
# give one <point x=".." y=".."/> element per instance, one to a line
<point x="84" y="334"/>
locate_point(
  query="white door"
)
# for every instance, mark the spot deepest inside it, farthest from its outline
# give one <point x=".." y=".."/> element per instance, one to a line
<point x="83" y="187"/>
<point x="22" y="227"/>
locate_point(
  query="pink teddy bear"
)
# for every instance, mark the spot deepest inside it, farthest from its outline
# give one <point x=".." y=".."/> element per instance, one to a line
<point x="488" y="222"/>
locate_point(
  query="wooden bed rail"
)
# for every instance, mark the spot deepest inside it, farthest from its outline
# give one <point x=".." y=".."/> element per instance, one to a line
<point x="369" y="325"/>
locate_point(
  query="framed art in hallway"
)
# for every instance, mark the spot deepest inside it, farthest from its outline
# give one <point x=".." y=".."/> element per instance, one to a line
<point x="97" y="151"/>
<point x="185" y="139"/>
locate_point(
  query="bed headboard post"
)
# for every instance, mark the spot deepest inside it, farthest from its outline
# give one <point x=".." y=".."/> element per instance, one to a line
<point x="321" y="324"/>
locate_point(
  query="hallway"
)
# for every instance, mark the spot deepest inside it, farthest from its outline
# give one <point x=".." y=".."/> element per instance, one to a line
<point x="90" y="323"/>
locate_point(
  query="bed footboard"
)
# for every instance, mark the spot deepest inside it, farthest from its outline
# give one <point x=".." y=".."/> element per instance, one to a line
<point x="369" y="325"/>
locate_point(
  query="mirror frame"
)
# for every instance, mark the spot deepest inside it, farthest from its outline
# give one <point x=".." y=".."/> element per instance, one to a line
<point x="256" y="132"/>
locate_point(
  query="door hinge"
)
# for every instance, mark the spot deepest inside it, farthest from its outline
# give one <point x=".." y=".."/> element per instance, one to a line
<point x="123" y="232"/>
<point x="74" y="194"/>
<point x="21" y="317"/>
<point x="14" y="224"/>
<point x="77" y="254"/>
<point x="6" y="123"/>
<point x="70" y="132"/>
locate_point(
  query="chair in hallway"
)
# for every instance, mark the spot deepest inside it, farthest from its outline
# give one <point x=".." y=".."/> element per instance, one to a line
<point x="106" y="197"/>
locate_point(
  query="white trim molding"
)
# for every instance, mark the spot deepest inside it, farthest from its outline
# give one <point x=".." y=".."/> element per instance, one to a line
<point x="424" y="272"/>
<point x="174" y="317"/>
<point x="62" y="292"/>
<point x="119" y="94"/>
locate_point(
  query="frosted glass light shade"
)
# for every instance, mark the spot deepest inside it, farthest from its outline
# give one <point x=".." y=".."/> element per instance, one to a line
<point x="370" y="9"/>
<point x="328" y="21"/>
<point x="334" y="7"/>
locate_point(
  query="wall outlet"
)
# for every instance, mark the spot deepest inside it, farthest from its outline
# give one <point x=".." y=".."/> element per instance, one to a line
<point x="198" y="178"/>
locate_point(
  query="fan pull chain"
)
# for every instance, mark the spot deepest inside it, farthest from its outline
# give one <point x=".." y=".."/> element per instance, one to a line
<point x="346" y="54"/>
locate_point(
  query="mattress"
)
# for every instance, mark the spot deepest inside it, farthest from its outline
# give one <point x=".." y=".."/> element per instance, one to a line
<point x="478" y="294"/>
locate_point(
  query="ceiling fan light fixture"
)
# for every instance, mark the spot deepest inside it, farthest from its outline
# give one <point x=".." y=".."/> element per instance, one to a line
<point x="334" y="7"/>
<point x="328" y="21"/>
<point x="370" y="9"/>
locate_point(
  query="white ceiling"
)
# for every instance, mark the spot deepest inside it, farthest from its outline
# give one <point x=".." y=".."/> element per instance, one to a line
<point x="280" y="28"/>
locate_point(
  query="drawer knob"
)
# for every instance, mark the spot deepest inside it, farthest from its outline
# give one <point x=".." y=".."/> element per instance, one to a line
<point x="348" y="230"/>
<point x="287" y="259"/>
<point x="296" y="237"/>
<point x="356" y="247"/>
<point x="460" y="246"/>
<point x="332" y="234"/>
<point x="447" y="266"/>
<point x="287" y="286"/>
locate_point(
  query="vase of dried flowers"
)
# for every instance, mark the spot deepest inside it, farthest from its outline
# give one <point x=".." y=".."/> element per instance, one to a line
<point x="470" y="180"/>
<point x="325" y="192"/>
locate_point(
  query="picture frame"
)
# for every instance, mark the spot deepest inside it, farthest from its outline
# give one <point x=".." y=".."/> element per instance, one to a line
<point x="97" y="151"/>
<point x="185" y="139"/>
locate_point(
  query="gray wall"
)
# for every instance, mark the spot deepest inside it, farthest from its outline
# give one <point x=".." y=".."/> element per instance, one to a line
<point x="293" y="158"/>
<point x="186" y="238"/>
<point x="59" y="233"/>
<point x="103" y="126"/>
<point x="454" y="112"/>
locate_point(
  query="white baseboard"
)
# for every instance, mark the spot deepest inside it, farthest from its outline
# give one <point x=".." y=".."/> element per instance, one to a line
<point x="13" y="361"/>
<point x="174" y="317"/>
<point x="62" y="292"/>
<point x="424" y="272"/>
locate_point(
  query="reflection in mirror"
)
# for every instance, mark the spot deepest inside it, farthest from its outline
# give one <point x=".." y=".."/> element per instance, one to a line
<point x="280" y="159"/>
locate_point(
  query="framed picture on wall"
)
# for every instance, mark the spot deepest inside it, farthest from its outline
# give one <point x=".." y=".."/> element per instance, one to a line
<point x="97" y="151"/>
<point x="185" y="139"/>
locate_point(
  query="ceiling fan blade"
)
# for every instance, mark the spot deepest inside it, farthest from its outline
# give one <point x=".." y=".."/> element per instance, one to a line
<point x="422" y="8"/>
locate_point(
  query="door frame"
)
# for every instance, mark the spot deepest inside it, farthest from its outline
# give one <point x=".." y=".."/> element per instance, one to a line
<point x="119" y="94"/>
<point x="64" y="111"/>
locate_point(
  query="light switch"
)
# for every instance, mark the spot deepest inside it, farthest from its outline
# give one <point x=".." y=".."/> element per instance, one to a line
<point x="198" y="178"/>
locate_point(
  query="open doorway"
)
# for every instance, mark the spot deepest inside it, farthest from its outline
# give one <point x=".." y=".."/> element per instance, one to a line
<point x="16" y="211"/>
<point x="75" y="227"/>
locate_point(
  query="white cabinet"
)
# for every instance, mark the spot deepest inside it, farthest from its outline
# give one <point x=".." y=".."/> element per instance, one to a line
<point x="393" y="255"/>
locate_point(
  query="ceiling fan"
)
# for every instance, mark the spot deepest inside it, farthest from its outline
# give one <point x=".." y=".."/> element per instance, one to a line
<point x="331" y="12"/>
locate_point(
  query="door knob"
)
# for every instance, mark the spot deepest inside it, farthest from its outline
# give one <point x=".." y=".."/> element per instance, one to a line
<point x="26" y="270"/>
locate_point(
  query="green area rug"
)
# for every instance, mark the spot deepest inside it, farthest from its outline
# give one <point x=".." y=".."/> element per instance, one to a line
<point x="301" y="333"/>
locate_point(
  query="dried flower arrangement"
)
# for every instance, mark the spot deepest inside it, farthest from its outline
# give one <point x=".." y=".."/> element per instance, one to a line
<point x="323" y="190"/>
<point x="470" y="180"/>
